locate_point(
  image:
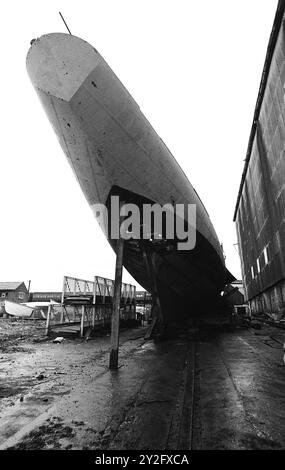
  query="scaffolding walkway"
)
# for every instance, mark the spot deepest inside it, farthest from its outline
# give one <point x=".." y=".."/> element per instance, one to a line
<point x="87" y="305"/>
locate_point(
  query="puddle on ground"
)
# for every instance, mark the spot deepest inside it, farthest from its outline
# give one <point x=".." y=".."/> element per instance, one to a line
<point x="146" y="347"/>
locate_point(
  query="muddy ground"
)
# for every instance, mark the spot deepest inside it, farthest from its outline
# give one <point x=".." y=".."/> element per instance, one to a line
<point x="195" y="390"/>
<point x="15" y="332"/>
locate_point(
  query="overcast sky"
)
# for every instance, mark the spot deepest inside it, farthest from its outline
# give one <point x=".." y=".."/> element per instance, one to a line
<point x="193" y="67"/>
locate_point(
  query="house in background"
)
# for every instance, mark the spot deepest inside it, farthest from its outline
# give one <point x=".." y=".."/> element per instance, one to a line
<point x="235" y="297"/>
<point x="234" y="293"/>
<point x="13" y="291"/>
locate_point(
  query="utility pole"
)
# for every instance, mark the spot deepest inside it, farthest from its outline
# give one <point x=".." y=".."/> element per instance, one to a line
<point x="48" y="320"/>
<point x="115" y="320"/>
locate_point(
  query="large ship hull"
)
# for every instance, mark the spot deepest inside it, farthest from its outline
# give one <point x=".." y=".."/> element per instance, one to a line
<point x="113" y="150"/>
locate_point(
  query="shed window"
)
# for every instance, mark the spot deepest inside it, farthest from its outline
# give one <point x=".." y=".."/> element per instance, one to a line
<point x="265" y="255"/>
<point x="258" y="265"/>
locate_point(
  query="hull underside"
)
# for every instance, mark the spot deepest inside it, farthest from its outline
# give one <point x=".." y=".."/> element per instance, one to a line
<point x="188" y="282"/>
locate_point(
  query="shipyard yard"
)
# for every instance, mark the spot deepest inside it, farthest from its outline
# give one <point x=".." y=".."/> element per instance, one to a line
<point x="200" y="389"/>
<point x="143" y="325"/>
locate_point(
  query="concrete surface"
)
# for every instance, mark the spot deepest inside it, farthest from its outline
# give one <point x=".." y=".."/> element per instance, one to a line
<point x="196" y="390"/>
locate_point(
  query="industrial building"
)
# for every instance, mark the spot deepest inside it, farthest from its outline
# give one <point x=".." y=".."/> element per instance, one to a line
<point x="143" y="297"/>
<point x="260" y="207"/>
<point x="45" y="296"/>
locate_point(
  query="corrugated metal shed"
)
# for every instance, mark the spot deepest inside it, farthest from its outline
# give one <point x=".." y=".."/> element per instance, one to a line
<point x="260" y="207"/>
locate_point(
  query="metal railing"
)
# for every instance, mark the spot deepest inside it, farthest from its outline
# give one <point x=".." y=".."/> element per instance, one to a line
<point x="89" y="304"/>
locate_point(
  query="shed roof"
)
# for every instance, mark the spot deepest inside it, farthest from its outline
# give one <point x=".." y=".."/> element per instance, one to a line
<point x="10" y="285"/>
